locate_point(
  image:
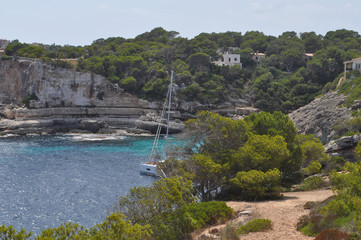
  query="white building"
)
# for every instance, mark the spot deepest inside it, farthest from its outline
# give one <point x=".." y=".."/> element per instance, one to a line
<point x="352" y="65"/>
<point x="229" y="60"/>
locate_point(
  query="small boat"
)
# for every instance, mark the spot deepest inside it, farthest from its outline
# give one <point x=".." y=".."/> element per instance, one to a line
<point x="151" y="167"/>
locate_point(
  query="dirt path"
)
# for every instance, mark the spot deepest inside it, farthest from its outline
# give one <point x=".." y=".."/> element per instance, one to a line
<point x="283" y="213"/>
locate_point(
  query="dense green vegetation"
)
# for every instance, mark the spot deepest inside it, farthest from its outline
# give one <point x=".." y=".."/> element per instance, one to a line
<point x="115" y="227"/>
<point x="352" y="89"/>
<point x="283" y="81"/>
<point x="170" y="209"/>
<point x="250" y="159"/>
<point x="311" y="183"/>
<point x="342" y="212"/>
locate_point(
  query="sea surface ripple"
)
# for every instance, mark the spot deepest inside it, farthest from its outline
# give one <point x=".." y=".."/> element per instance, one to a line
<point x="48" y="180"/>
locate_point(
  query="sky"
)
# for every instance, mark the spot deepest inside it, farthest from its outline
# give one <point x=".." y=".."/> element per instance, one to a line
<point x="80" y="22"/>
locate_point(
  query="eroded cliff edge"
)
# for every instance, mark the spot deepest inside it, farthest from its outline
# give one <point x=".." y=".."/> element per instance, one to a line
<point x="69" y="100"/>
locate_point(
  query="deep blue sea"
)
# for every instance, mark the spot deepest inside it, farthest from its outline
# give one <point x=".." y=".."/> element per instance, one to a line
<point x="47" y="180"/>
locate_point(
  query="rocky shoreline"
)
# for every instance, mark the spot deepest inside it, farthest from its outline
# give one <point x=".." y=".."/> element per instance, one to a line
<point x="60" y="100"/>
<point x="101" y="125"/>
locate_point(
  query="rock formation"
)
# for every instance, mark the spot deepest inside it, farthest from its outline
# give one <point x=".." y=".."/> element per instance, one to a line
<point x="343" y="147"/>
<point x="65" y="100"/>
<point x="321" y="115"/>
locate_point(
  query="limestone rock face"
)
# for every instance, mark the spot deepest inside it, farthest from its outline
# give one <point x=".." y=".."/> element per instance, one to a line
<point x="57" y="87"/>
<point x="319" y="116"/>
<point x="70" y="99"/>
<point x="8" y="113"/>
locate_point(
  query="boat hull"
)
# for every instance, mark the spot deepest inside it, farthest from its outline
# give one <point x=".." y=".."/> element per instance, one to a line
<point x="149" y="169"/>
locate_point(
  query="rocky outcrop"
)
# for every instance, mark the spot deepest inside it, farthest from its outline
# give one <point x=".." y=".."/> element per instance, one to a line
<point x="57" y="87"/>
<point x="343" y="147"/>
<point x="321" y="115"/>
<point x="65" y="100"/>
<point x="150" y="122"/>
<point x="69" y="100"/>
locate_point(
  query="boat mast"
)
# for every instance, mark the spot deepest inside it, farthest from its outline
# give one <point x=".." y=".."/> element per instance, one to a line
<point x="169" y="102"/>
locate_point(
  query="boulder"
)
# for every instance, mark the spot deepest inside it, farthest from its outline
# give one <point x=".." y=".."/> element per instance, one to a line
<point x="342" y="144"/>
<point x="343" y="147"/>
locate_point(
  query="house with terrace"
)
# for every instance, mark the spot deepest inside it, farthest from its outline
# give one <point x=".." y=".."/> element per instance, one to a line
<point x="354" y="64"/>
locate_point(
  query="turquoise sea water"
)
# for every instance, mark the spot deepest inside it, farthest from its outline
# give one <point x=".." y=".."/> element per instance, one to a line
<point x="47" y="180"/>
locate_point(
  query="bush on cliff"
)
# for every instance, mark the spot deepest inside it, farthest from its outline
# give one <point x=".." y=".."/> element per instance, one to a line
<point x="26" y="100"/>
<point x="283" y="81"/>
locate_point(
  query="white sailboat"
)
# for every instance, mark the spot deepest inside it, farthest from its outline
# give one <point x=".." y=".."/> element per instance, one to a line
<point x="151" y="167"/>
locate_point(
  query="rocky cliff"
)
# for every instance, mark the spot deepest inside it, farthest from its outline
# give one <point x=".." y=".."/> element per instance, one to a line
<point x="321" y="115"/>
<point x="67" y="100"/>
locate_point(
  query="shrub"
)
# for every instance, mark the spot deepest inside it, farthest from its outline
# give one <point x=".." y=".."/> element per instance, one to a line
<point x="229" y="232"/>
<point x="128" y="83"/>
<point x="336" y="207"/>
<point x="311" y="183"/>
<point x="28" y="98"/>
<point x="9" y="232"/>
<point x="256" y="185"/>
<point x="349" y="127"/>
<point x="358" y="150"/>
<point x="256" y="225"/>
<point x="313" y="168"/>
<point x="58" y="63"/>
<point x="209" y="212"/>
<point x="332" y="234"/>
<point x="334" y="163"/>
<point x="6" y="57"/>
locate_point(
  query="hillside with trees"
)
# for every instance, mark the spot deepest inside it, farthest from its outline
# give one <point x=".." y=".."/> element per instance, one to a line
<point x="283" y="81"/>
<point x="252" y="159"/>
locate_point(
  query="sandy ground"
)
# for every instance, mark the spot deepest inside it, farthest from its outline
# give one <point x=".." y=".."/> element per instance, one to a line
<point x="283" y="213"/>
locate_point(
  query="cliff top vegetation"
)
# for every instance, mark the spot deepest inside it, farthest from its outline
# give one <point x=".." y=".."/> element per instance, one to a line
<point x="283" y="81"/>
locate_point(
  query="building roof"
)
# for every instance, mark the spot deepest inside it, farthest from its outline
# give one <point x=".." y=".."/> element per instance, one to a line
<point x="309" y="54"/>
<point x="352" y="60"/>
<point x="260" y="54"/>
